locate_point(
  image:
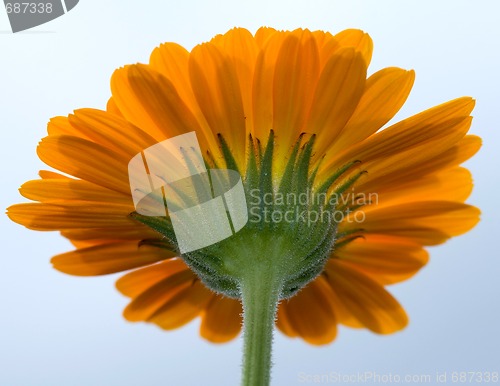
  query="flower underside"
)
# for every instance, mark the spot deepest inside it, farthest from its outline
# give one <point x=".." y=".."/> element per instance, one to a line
<point x="341" y="211"/>
<point x="292" y="222"/>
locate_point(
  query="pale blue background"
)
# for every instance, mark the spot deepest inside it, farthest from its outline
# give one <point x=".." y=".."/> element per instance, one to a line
<point x="62" y="330"/>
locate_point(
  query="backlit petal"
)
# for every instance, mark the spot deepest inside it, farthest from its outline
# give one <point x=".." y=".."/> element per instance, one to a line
<point x="222" y="320"/>
<point x="108" y="258"/>
<point x="367" y="300"/>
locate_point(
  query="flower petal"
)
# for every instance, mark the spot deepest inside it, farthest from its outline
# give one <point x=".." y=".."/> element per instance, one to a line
<point x="310" y="313"/>
<point x="263" y="101"/>
<point x="155" y="296"/>
<point x="426" y="222"/>
<point x="136" y="231"/>
<point x="441" y="126"/>
<point x="69" y="192"/>
<point x="221" y="321"/>
<point x="367" y="300"/>
<point x="295" y="76"/>
<point x="50" y="217"/>
<point x="447" y="185"/>
<point x="344" y="316"/>
<point x="86" y="160"/>
<point x="139" y="281"/>
<point x="242" y="51"/>
<point x="455" y="155"/>
<point x="337" y="94"/>
<point x="48" y="174"/>
<point x="112" y="108"/>
<point x="62" y="126"/>
<point x="263" y="35"/>
<point x="283" y="322"/>
<point x="183" y="307"/>
<point x="171" y="60"/>
<point x="109" y="258"/>
<point x="358" y="40"/>
<point x="150" y="101"/>
<point x="418" y="165"/>
<point x="217" y="90"/>
<point x="385" y="93"/>
<point x="111" y="131"/>
<point x="385" y="259"/>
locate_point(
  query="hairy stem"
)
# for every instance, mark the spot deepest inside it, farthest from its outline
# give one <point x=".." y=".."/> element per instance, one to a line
<point x="260" y="291"/>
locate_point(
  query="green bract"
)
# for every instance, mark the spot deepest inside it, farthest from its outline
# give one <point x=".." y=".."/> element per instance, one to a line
<point x="292" y="224"/>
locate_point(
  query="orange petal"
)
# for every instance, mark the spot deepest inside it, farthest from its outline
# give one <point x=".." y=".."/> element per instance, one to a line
<point x="337" y="94"/>
<point x="385" y="93"/>
<point x="69" y="192"/>
<point x="434" y="220"/>
<point x="425" y="161"/>
<point x="295" y="76"/>
<point x="147" y="303"/>
<point x="217" y="90"/>
<point x="112" y="108"/>
<point x="62" y="126"/>
<point x="150" y="101"/>
<point x="49" y="217"/>
<point x="443" y="126"/>
<point x="221" y="321"/>
<point x="111" y="131"/>
<point x="136" y="231"/>
<point x="171" y="60"/>
<point x="81" y="244"/>
<point x="343" y="315"/>
<point x="242" y="51"/>
<point x="310" y="313"/>
<point x="365" y="299"/>
<point x="447" y="185"/>
<point x="134" y="283"/>
<point x="50" y="175"/>
<point x="385" y="259"/>
<point x="108" y="258"/>
<point x="86" y="160"/>
<point x="455" y="155"/>
<point x="283" y="321"/>
<point x="327" y="45"/>
<point x="358" y="40"/>
<point x="444" y="137"/>
<point x="183" y="307"/>
<point x="263" y="101"/>
<point x="263" y="35"/>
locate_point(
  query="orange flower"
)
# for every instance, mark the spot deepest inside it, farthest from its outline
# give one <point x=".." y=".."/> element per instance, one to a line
<point x="232" y="92"/>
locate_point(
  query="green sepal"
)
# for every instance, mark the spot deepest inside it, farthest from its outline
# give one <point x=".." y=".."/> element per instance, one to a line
<point x="296" y="250"/>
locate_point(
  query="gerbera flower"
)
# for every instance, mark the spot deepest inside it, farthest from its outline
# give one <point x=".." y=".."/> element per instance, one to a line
<point x="295" y="114"/>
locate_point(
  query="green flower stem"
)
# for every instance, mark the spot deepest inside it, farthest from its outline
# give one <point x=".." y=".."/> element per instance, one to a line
<point x="278" y="251"/>
<point x="260" y="291"/>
